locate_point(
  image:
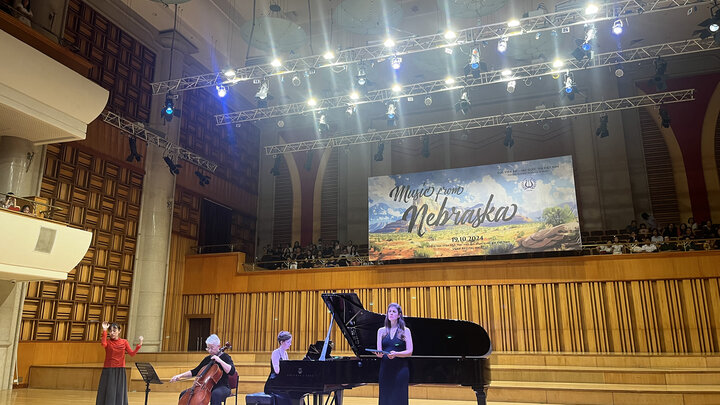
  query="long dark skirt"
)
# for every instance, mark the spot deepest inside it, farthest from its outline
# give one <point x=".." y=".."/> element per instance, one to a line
<point x="113" y="387"/>
<point x="393" y="381"/>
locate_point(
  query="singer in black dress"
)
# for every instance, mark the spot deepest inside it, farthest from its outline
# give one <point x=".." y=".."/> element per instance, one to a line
<point x="395" y="340"/>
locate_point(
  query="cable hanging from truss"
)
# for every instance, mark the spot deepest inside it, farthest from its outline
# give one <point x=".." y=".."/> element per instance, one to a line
<point x="625" y="103"/>
<point x="539" y="23"/>
<point x="138" y="130"/>
<point x="484" y="78"/>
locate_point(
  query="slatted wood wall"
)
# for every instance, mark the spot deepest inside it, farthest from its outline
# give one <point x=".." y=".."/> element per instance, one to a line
<point x="329" y="199"/>
<point x="283" y="210"/>
<point x="102" y="196"/>
<point x="663" y="195"/>
<point x="655" y="316"/>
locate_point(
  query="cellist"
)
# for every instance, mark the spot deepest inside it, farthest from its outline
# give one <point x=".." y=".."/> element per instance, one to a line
<point x="221" y="390"/>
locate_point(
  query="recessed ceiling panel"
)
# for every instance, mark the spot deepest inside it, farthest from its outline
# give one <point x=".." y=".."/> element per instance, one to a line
<point x="368" y="17"/>
<point x="272" y="33"/>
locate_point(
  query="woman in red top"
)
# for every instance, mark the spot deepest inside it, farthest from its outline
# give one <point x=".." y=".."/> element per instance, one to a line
<point x="113" y="382"/>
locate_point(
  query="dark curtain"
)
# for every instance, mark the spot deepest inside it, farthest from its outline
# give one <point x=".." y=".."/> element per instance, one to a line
<point x="215" y="226"/>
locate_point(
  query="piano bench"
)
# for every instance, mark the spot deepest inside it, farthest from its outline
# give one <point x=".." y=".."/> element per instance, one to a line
<point x="259" y="398"/>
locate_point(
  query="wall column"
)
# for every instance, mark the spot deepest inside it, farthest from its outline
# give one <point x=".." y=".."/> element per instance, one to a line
<point x="20" y="170"/>
<point x="147" y="304"/>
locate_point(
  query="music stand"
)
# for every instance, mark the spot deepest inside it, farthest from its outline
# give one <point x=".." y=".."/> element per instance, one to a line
<point x="149" y="376"/>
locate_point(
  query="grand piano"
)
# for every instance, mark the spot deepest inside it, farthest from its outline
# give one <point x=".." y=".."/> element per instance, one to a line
<point x="445" y="351"/>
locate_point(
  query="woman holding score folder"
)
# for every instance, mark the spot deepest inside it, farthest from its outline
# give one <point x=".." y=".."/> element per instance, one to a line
<point x="394" y="344"/>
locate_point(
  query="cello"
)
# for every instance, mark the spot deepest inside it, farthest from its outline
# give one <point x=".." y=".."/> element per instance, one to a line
<point x="201" y="391"/>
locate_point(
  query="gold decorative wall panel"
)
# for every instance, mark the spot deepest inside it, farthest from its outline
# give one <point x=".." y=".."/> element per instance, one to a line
<point x="101" y="196"/>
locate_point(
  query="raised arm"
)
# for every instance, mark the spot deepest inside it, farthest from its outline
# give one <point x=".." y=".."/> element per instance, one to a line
<point x="137" y="347"/>
<point x="105" y="327"/>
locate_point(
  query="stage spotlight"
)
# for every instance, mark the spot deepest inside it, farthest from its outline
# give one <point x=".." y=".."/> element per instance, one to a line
<point x="280" y="123"/>
<point x="396" y="62"/>
<point x="391" y="113"/>
<point x="463" y="105"/>
<point x="617" y="27"/>
<point x="296" y="81"/>
<point x="169" y="109"/>
<point x="262" y="94"/>
<point x="389" y="43"/>
<point x="511" y="86"/>
<point x="428" y="101"/>
<point x="557" y="63"/>
<point x="580" y="53"/>
<point x="589" y="33"/>
<point x="502" y="44"/>
<point x="312" y="102"/>
<point x="426" y="147"/>
<point x="174" y="168"/>
<point x="350" y="110"/>
<point x="380" y="149"/>
<point x="659" y="79"/>
<point x="619" y="71"/>
<point x="602" y="130"/>
<point x="133" y="150"/>
<point x="449" y="80"/>
<point x="591" y="9"/>
<point x="396" y="88"/>
<point x="509" y="141"/>
<point x="361" y="76"/>
<point x="276" y="62"/>
<point x="221" y="90"/>
<point x="665" y="118"/>
<point x="450" y="35"/>
<point x="229" y="73"/>
<point x="203" y="179"/>
<point x="475" y="58"/>
<point x="329" y="55"/>
<point x="711" y="26"/>
<point x="275" y="170"/>
<point x="354" y="95"/>
<point x="513" y="23"/>
<point x="506" y="72"/>
<point x="323" y="126"/>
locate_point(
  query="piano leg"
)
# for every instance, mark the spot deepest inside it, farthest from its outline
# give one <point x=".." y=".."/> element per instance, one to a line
<point x="481" y="395"/>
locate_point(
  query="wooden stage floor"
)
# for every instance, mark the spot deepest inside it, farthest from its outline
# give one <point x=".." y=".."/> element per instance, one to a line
<point x="33" y="396"/>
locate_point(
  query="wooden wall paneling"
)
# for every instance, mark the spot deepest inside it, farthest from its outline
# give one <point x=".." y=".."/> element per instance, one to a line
<point x="696" y="312"/>
<point x="119" y="62"/>
<point x="172" y="324"/>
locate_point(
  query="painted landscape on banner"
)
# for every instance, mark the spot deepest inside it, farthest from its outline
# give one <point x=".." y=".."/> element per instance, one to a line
<point x="518" y="207"/>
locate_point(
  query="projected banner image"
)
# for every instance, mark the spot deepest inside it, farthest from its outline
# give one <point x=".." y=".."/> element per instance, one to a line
<point x="517" y="207"/>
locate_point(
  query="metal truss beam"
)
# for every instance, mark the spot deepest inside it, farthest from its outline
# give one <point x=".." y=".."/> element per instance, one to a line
<point x="544" y="22"/>
<point x="518" y="73"/>
<point x="488" y="121"/>
<point x="134" y="129"/>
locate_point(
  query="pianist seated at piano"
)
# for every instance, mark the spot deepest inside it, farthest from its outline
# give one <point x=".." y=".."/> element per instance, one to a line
<point x="394" y="344"/>
<point x="284" y="339"/>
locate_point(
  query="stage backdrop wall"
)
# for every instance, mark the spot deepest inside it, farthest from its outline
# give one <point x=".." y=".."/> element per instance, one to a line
<point x="517" y="207"/>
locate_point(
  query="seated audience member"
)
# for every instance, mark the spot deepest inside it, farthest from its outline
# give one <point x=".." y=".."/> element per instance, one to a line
<point x="23" y="11"/>
<point x="26" y="209"/>
<point x="667" y="245"/>
<point x="692" y="224"/>
<point x="10" y="202"/>
<point x="646" y="247"/>
<point x="606" y="248"/>
<point x="633" y="238"/>
<point x="643" y="231"/>
<point x="688" y="241"/>
<point x="707" y="229"/>
<point x="682" y="230"/>
<point x="617" y="246"/>
<point x="671" y="231"/>
<point x="656" y="237"/>
<point x="632" y="227"/>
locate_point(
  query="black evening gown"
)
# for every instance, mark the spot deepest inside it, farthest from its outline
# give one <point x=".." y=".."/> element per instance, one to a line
<point x="394" y="374"/>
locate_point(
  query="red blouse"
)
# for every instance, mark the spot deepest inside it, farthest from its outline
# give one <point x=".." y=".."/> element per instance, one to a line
<point x="115" y="351"/>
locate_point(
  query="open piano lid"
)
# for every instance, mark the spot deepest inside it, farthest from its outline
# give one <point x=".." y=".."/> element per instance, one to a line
<point x="431" y="336"/>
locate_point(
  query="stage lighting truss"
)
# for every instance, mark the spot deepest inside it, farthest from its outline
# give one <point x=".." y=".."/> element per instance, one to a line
<point x="136" y="130"/>
<point x="539" y="23"/>
<point x="554" y="68"/>
<point x="539" y="115"/>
